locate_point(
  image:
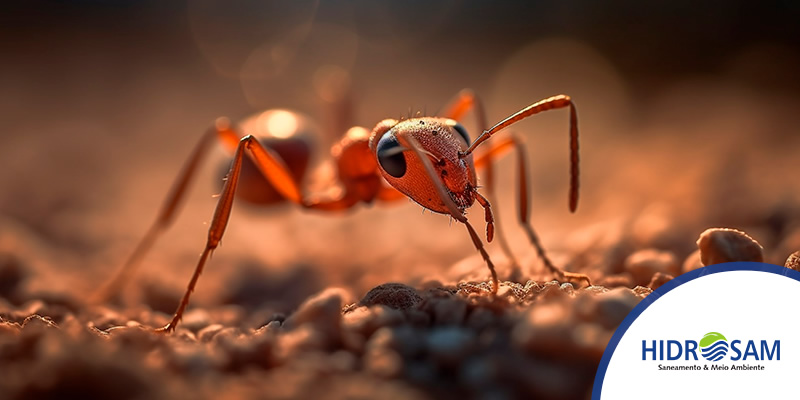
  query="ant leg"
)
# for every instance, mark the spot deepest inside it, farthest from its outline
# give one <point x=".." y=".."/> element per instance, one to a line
<point x="497" y="150"/>
<point x="273" y="169"/>
<point x="169" y="209"/>
<point x="524" y="205"/>
<point x="411" y="143"/>
<point x="467" y="100"/>
<point x="488" y="215"/>
<point x="554" y="102"/>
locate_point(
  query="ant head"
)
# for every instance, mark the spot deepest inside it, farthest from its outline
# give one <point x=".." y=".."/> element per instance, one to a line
<point x="441" y="139"/>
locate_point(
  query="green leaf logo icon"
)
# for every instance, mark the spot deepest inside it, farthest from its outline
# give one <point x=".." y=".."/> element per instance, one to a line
<point x="714" y="346"/>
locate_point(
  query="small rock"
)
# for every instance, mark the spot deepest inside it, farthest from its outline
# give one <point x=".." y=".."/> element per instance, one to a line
<point x="228" y="334"/>
<point x="13" y="272"/>
<point x="659" y="279"/>
<point x="480" y="319"/>
<point x="692" y="262"/>
<point x="720" y="245"/>
<point x="449" y="345"/>
<point x="643" y="264"/>
<point x="342" y="361"/>
<point x="272" y="327"/>
<point x="418" y="317"/>
<point x="365" y="320"/>
<point x="591" y="337"/>
<point x="195" y="319"/>
<point x="294" y="343"/>
<point x="136" y="336"/>
<point x="194" y="359"/>
<point x="619" y="280"/>
<point x="36" y="321"/>
<point x="9" y="328"/>
<point x="206" y="334"/>
<point x="322" y="311"/>
<point x="567" y="288"/>
<point x="383" y="362"/>
<point x="479" y="372"/>
<point x="551" y="289"/>
<point x="403" y="339"/>
<point x="793" y="262"/>
<point x="545" y="329"/>
<point x="614" y="305"/>
<point x="394" y="295"/>
<point x="184" y="335"/>
<point x="642" y="291"/>
<point x="450" y="311"/>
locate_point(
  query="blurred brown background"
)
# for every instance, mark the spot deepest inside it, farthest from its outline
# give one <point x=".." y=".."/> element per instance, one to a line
<point x="688" y="116"/>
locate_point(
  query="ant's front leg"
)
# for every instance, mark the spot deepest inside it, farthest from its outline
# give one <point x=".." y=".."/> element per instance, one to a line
<point x="456" y="109"/>
<point x="409" y="142"/>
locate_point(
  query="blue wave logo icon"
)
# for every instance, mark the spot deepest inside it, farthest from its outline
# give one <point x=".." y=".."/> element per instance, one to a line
<point x="714" y="346"/>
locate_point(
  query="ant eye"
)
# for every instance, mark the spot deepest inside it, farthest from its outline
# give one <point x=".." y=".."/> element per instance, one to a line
<point x="461" y="131"/>
<point x="390" y="156"/>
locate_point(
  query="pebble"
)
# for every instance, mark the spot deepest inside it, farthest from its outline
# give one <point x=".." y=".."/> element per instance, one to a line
<point x="692" y="262"/>
<point x="322" y="312"/>
<point x="449" y="311"/>
<point x="227" y="334"/>
<point x="366" y="320"/>
<point x="403" y="339"/>
<point x="550" y="289"/>
<point x="9" y="328"/>
<point x="136" y="336"/>
<point x="383" y="362"/>
<point x="480" y="319"/>
<point x="294" y="343"/>
<point x="36" y="321"/>
<point x="793" y="262"/>
<point x="206" y="334"/>
<point x="659" y="279"/>
<point x="567" y="288"/>
<point x="418" y="317"/>
<point x="720" y="245"/>
<point x="449" y="345"/>
<point x="545" y="328"/>
<point x="195" y="319"/>
<point x="614" y="305"/>
<point x="394" y="295"/>
<point x="13" y="272"/>
<point x="619" y="280"/>
<point x="643" y="264"/>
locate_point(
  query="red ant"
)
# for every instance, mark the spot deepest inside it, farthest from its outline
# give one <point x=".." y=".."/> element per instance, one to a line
<point x="427" y="159"/>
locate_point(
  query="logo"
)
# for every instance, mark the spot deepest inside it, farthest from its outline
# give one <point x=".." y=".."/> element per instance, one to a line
<point x="714" y="346"/>
<point x="698" y="336"/>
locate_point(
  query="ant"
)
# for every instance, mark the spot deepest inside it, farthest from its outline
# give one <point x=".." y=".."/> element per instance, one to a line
<point x="427" y="159"/>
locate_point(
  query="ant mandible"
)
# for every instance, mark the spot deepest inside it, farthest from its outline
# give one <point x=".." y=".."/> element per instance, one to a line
<point x="427" y="159"/>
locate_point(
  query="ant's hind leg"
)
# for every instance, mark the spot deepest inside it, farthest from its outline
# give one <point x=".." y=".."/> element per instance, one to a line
<point x="169" y="209"/>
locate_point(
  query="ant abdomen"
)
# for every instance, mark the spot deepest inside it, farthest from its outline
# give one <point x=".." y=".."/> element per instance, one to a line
<point x="292" y="136"/>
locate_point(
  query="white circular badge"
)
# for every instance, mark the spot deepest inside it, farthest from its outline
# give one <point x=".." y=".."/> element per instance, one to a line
<point x="724" y="331"/>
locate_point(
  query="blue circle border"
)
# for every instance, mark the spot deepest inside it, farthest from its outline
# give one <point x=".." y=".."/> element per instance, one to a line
<point x="664" y="289"/>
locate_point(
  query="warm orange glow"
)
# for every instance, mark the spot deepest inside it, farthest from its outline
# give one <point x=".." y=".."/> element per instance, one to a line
<point x="280" y="123"/>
